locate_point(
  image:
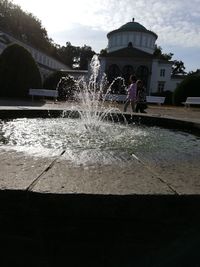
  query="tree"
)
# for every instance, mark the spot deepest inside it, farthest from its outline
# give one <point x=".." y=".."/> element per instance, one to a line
<point x="103" y="52"/>
<point x="178" y="67"/>
<point x="76" y="57"/>
<point x="18" y="72"/>
<point x="68" y="54"/>
<point x="86" y="53"/>
<point x="53" y="79"/>
<point x="63" y="82"/>
<point x="197" y="72"/>
<point x="190" y="86"/>
<point x="25" y="27"/>
<point x="159" y="54"/>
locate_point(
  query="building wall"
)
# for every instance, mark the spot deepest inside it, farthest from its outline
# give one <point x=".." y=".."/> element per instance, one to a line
<point x="140" y="40"/>
<point x="160" y="78"/>
<point x="170" y="82"/>
<point x="121" y="63"/>
<point x="161" y="75"/>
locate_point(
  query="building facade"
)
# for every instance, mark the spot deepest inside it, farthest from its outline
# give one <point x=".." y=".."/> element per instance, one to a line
<point x="130" y="50"/>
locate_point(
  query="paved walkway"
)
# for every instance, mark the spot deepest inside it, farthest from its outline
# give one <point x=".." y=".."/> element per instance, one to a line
<point x="191" y="114"/>
<point x="100" y="215"/>
<point x="150" y="176"/>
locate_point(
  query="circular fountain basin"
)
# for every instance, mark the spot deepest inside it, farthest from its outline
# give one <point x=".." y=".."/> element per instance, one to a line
<point x="98" y="183"/>
<point x="105" y="143"/>
<point x="103" y="158"/>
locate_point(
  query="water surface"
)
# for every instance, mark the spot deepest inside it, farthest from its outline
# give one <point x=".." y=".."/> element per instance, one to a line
<point x="106" y="143"/>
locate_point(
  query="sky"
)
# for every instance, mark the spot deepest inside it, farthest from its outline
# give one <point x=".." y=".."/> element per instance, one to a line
<point x="177" y="23"/>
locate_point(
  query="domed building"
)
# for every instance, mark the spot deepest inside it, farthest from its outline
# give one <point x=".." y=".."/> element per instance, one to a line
<point x="130" y="50"/>
<point x="132" y="34"/>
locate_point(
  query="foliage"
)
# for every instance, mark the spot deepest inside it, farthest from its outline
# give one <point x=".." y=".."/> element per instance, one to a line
<point x="118" y="86"/>
<point x="159" y="54"/>
<point x="197" y="72"/>
<point x="85" y="55"/>
<point x="61" y="81"/>
<point x="25" y="27"/>
<point x="52" y="80"/>
<point x="178" y="67"/>
<point x="103" y="52"/>
<point x="28" y="29"/>
<point x="190" y="86"/>
<point x="66" y="88"/>
<point x="76" y="57"/>
<point x="18" y="72"/>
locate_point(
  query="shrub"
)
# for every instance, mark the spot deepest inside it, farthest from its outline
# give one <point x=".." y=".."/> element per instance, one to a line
<point x="53" y="79"/>
<point x="66" y="88"/>
<point x="18" y="72"/>
<point x="190" y="86"/>
<point x="64" y="83"/>
<point x="118" y="86"/>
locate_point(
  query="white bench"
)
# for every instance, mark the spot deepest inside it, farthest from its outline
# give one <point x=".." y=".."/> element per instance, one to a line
<point x="43" y="92"/>
<point x="155" y="99"/>
<point x="192" y="101"/>
<point x="114" y="97"/>
<point x="122" y="98"/>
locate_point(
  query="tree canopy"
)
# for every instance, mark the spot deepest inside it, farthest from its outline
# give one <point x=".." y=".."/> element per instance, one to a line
<point x="197" y="72"/>
<point x="190" y="86"/>
<point x="27" y="28"/>
<point x="24" y="26"/>
<point x="178" y="67"/>
<point x="76" y="57"/>
<point x="158" y="53"/>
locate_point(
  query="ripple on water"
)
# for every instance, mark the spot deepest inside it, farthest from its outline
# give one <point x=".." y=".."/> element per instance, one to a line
<point x="108" y="143"/>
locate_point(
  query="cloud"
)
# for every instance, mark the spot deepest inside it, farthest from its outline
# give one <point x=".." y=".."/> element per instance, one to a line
<point x="80" y="35"/>
<point x="176" y="23"/>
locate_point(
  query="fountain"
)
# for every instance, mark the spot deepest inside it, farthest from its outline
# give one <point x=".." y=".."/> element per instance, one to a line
<point x="93" y="138"/>
<point x="89" y="189"/>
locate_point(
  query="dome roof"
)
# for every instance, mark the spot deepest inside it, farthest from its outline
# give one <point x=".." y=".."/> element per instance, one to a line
<point x="132" y="26"/>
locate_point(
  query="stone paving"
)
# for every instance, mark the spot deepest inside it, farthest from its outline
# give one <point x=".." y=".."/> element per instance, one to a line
<point x="190" y="114"/>
<point x="55" y="175"/>
<point x="141" y="213"/>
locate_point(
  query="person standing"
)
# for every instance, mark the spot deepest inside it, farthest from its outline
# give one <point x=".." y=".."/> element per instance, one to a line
<point x="140" y="97"/>
<point x="131" y="98"/>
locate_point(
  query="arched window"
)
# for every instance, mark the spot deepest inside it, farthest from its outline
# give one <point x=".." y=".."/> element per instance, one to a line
<point x="113" y="72"/>
<point x="142" y="74"/>
<point x="127" y="72"/>
<point x="130" y="44"/>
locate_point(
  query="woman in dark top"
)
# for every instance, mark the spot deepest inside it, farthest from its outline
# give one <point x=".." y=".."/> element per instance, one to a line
<point x="140" y="97"/>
